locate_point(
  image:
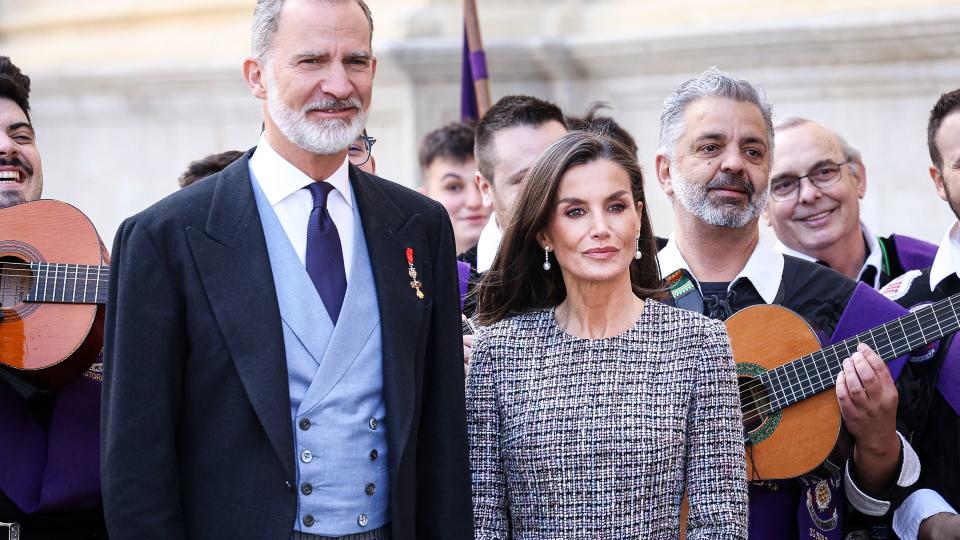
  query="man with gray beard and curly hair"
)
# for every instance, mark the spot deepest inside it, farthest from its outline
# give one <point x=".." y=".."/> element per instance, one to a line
<point x="714" y="161"/>
<point x="300" y="334"/>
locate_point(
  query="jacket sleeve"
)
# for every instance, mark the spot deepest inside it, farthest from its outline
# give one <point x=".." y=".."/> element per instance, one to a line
<point x="483" y="426"/>
<point x="143" y="365"/>
<point x="716" y="483"/>
<point x="443" y="468"/>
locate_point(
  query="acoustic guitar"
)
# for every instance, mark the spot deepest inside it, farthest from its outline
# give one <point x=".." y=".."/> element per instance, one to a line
<point x="53" y="291"/>
<point x="790" y="424"/>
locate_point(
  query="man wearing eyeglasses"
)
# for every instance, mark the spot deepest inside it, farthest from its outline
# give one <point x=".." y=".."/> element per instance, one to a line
<point x="816" y="185"/>
<point x="360" y="153"/>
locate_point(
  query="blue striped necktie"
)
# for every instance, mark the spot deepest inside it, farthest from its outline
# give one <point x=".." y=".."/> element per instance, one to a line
<point x="324" y="255"/>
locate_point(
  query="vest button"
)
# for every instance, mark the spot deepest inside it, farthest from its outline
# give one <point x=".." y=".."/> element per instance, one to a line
<point x="373" y="455"/>
<point x="306" y="456"/>
<point x="370" y="489"/>
<point x="373" y="424"/>
<point x="305" y="424"/>
<point x="362" y="520"/>
<point x="308" y="520"/>
<point x="306" y="489"/>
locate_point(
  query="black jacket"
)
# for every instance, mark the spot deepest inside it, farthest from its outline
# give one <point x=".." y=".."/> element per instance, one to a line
<point x="197" y="440"/>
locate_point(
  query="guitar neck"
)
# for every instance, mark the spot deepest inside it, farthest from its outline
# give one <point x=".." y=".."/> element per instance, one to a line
<point x="68" y="283"/>
<point x="814" y="373"/>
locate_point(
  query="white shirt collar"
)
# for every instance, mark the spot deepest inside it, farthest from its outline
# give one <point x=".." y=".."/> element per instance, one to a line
<point x="874" y="254"/>
<point x="947" y="261"/>
<point x="488" y="244"/>
<point x="279" y="178"/>
<point x="764" y="268"/>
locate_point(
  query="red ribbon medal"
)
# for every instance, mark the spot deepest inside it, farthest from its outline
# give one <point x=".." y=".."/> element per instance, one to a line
<point x="412" y="272"/>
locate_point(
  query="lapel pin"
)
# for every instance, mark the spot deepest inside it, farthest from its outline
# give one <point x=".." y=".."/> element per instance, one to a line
<point x="412" y="272"/>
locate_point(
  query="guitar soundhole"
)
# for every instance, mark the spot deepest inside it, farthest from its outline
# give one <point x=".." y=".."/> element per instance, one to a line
<point x="754" y="403"/>
<point x="16" y="280"/>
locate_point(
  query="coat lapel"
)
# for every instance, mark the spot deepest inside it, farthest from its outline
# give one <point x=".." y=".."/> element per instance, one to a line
<point x="389" y="232"/>
<point x="231" y="256"/>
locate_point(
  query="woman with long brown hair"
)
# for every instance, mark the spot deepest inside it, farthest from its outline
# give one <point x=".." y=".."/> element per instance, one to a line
<point x="589" y="403"/>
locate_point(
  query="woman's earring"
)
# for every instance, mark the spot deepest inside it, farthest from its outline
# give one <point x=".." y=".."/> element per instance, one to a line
<point x="546" y="258"/>
<point x="638" y="255"/>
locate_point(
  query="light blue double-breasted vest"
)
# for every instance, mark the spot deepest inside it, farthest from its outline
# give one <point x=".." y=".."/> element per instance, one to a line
<point x="336" y="389"/>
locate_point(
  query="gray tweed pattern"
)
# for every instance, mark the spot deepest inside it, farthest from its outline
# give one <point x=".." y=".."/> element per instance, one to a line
<point x="593" y="438"/>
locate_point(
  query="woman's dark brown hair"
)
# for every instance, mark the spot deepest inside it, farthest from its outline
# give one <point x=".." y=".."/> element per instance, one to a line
<point x="517" y="283"/>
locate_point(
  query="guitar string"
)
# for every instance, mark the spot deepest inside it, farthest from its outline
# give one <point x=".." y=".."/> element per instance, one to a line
<point x="775" y="403"/>
<point x="920" y="320"/>
<point x="847" y="343"/>
<point x="31" y="263"/>
<point x="931" y="314"/>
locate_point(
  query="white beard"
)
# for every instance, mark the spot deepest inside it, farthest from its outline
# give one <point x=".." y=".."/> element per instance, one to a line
<point x="696" y="200"/>
<point x="326" y="137"/>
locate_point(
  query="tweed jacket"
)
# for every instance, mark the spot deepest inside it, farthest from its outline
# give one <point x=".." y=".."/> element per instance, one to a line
<point x="594" y="438"/>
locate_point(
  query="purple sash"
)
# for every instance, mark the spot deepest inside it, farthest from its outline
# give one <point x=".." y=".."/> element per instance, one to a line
<point x="812" y="507"/>
<point x="55" y="471"/>
<point x="463" y="272"/>
<point x="866" y="309"/>
<point x="914" y="254"/>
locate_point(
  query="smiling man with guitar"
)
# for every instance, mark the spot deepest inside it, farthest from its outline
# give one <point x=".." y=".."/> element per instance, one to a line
<point x="716" y="142"/>
<point x="49" y="419"/>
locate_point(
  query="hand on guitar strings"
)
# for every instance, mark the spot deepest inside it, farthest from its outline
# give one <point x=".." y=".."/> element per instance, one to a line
<point x="868" y="403"/>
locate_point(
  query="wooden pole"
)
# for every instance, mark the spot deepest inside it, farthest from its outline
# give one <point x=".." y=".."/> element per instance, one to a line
<point x="475" y="44"/>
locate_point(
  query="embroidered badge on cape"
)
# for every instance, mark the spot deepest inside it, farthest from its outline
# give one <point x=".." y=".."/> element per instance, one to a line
<point x="899" y="287"/>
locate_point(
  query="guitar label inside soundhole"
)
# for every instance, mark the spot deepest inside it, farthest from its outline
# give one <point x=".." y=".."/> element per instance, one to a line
<point x="758" y="421"/>
<point x="16" y="280"/>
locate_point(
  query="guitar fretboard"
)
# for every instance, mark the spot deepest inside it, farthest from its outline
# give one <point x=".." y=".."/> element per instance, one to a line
<point x="797" y="380"/>
<point x="68" y="283"/>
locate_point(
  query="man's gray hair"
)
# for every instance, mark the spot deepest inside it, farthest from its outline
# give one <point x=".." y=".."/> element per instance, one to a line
<point x="266" y="19"/>
<point x="851" y="154"/>
<point x="711" y="83"/>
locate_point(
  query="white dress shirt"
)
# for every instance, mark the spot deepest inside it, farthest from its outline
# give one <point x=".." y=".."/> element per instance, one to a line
<point x="874" y="255"/>
<point x="764" y="268"/>
<point x="947" y="260"/>
<point x="488" y="244"/>
<point x="285" y="187"/>
<point x="925" y="503"/>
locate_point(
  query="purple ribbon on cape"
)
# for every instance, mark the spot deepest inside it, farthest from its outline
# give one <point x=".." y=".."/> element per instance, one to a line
<point x="913" y="253"/>
<point x="463" y="275"/>
<point x="55" y="470"/>
<point x="867" y="309"/>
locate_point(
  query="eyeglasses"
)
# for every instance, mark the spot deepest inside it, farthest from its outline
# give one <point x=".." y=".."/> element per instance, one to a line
<point x="786" y="187"/>
<point x="360" y="151"/>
